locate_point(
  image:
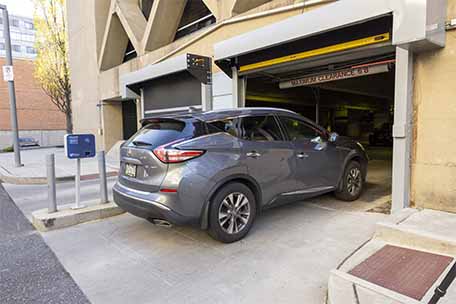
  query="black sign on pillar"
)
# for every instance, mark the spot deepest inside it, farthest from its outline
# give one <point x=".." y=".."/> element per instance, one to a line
<point x="200" y="67"/>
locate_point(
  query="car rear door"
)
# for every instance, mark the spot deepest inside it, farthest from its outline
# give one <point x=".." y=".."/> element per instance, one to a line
<point x="268" y="156"/>
<point x="317" y="160"/>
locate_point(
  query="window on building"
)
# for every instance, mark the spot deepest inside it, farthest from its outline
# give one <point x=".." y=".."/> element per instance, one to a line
<point x="31" y="50"/>
<point x="16" y="48"/>
<point x="15" y="22"/>
<point x="196" y="16"/>
<point x="30" y="38"/>
<point x="1" y="20"/>
<point x="29" y="25"/>
<point x="2" y="46"/>
<point x="260" y="128"/>
<point x="15" y="36"/>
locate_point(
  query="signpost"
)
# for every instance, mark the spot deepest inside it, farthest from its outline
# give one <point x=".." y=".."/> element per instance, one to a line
<point x="8" y="76"/>
<point x="79" y="146"/>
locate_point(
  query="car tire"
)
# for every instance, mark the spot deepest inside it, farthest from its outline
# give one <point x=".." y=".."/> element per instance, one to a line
<point x="352" y="183"/>
<point x="232" y="213"/>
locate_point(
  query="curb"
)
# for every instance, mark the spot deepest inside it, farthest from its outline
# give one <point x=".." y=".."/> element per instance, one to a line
<point x="66" y="217"/>
<point x="9" y="179"/>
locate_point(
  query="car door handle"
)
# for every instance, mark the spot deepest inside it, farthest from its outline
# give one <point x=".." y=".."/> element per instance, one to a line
<point x="302" y="155"/>
<point x="253" y="154"/>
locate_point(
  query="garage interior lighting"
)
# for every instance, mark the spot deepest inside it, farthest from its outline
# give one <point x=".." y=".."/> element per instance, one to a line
<point x="318" y="52"/>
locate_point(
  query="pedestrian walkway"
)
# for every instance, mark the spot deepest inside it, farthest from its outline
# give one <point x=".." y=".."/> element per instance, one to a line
<point x="29" y="271"/>
<point x="34" y="169"/>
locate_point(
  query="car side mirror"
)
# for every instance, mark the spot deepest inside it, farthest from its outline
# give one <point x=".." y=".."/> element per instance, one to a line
<point x="333" y="137"/>
<point x="316" y="140"/>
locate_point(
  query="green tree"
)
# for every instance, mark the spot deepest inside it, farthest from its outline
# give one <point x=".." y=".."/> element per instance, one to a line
<point x="51" y="64"/>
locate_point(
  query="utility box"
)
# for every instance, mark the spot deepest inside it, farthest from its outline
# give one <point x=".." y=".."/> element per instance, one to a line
<point x="80" y="146"/>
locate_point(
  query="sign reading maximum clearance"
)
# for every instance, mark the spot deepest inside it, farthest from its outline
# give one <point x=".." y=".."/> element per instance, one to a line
<point x="335" y="75"/>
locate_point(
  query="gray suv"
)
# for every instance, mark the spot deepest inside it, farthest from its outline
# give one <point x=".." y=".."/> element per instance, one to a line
<point x="219" y="169"/>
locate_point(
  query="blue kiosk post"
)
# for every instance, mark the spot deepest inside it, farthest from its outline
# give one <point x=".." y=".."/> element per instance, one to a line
<point x="78" y="146"/>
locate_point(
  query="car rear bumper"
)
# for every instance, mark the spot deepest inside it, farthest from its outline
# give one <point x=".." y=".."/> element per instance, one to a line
<point x="137" y="205"/>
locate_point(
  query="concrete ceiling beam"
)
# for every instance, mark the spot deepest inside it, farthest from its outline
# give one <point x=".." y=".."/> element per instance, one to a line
<point x="240" y="6"/>
<point x="213" y="6"/>
<point x="133" y="21"/>
<point x="162" y="25"/>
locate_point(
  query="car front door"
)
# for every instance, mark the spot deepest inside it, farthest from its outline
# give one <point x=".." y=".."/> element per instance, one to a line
<point x="317" y="159"/>
<point x="269" y="158"/>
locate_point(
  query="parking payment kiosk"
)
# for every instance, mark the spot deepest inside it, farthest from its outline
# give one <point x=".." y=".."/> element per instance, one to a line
<point x="78" y="146"/>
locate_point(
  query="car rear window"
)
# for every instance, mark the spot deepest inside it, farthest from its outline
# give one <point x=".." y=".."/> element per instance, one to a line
<point x="160" y="132"/>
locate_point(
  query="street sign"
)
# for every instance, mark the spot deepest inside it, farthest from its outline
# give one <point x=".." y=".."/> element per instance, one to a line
<point x="335" y="75"/>
<point x="8" y="73"/>
<point x="79" y="146"/>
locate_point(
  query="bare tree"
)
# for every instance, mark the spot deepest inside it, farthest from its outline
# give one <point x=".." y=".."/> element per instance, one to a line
<point x="51" y="64"/>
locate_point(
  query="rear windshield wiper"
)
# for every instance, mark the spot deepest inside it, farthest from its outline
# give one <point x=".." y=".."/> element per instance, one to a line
<point x="140" y="143"/>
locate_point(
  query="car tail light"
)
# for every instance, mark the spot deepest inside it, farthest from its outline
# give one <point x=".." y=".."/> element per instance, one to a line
<point x="171" y="155"/>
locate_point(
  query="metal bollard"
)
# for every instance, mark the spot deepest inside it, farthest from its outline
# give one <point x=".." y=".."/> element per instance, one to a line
<point x="103" y="180"/>
<point x="52" y="196"/>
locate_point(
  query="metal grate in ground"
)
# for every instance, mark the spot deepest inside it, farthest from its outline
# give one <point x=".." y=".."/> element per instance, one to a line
<point x="406" y="271"/>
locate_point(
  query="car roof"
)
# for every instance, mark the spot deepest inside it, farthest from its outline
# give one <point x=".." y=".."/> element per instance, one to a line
<point x="229" y="113"/>
<point x="222" y="113"/>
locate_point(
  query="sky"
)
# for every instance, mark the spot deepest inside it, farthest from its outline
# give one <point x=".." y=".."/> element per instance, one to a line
<point x="19" y="7"/>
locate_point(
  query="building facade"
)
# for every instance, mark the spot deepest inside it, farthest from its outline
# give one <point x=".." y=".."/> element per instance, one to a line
<point x="378" y="71"/>
<point x="37" y="116"/>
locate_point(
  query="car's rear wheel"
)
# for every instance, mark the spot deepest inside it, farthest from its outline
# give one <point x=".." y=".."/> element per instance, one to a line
<point x="352" y="183"/>
<point x="232" y="213"/>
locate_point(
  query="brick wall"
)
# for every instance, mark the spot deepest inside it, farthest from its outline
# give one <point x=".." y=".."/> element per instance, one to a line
<point x="35" y="109"/>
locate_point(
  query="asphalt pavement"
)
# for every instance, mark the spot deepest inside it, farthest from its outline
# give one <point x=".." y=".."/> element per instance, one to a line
<point x="29" y="270"/>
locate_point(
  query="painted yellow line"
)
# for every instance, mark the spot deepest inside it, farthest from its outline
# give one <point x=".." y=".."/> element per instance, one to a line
<point x="317" y="52"/>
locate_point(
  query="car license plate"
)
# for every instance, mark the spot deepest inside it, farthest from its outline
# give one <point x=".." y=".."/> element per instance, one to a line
<point x="130" y="170"/>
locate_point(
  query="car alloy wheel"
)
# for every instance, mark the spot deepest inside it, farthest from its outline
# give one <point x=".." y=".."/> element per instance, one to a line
<point x="354" y="181"/>
<point x="234" y="213"/>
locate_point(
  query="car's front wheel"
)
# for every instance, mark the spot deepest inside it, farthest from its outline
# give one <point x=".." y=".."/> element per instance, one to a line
<point x="352" y="183"/>
<point x="232" y="213"/>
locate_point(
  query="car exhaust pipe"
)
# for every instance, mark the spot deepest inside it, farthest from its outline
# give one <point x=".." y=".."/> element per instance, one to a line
<point x="161" y="223"/>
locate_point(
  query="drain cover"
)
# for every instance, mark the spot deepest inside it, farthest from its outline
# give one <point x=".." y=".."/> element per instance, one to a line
<point x="406" y="271"/>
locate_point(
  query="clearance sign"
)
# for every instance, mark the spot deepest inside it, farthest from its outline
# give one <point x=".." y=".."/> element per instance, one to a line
<point x="335" y="75"/>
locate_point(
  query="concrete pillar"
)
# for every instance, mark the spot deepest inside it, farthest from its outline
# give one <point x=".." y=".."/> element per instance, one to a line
<point x="402" y="129"/>
<point x="242" y="91"/>
<point x="206" y="96"/>
<point x="235" y="86"/>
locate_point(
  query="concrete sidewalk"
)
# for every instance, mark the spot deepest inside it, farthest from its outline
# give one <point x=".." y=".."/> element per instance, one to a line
<point x="34" y="169"/>
<point x="425" y="231"/>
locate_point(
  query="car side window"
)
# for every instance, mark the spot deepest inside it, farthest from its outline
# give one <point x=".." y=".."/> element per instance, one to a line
<point x="260" y="128"/>
<point x="299" y="130"/>
<point x="230" y="126"/>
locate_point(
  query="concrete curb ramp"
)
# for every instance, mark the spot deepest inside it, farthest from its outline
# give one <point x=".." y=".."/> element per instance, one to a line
<point x="66" y="217"/>
<point x="423" y="230"/>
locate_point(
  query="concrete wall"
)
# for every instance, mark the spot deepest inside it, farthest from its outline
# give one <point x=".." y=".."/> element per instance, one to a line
<point x="222" y="91"/>
<point x="434" y="157"/>
<point x="84" y="66"/>
<point x="46" y="138"/>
